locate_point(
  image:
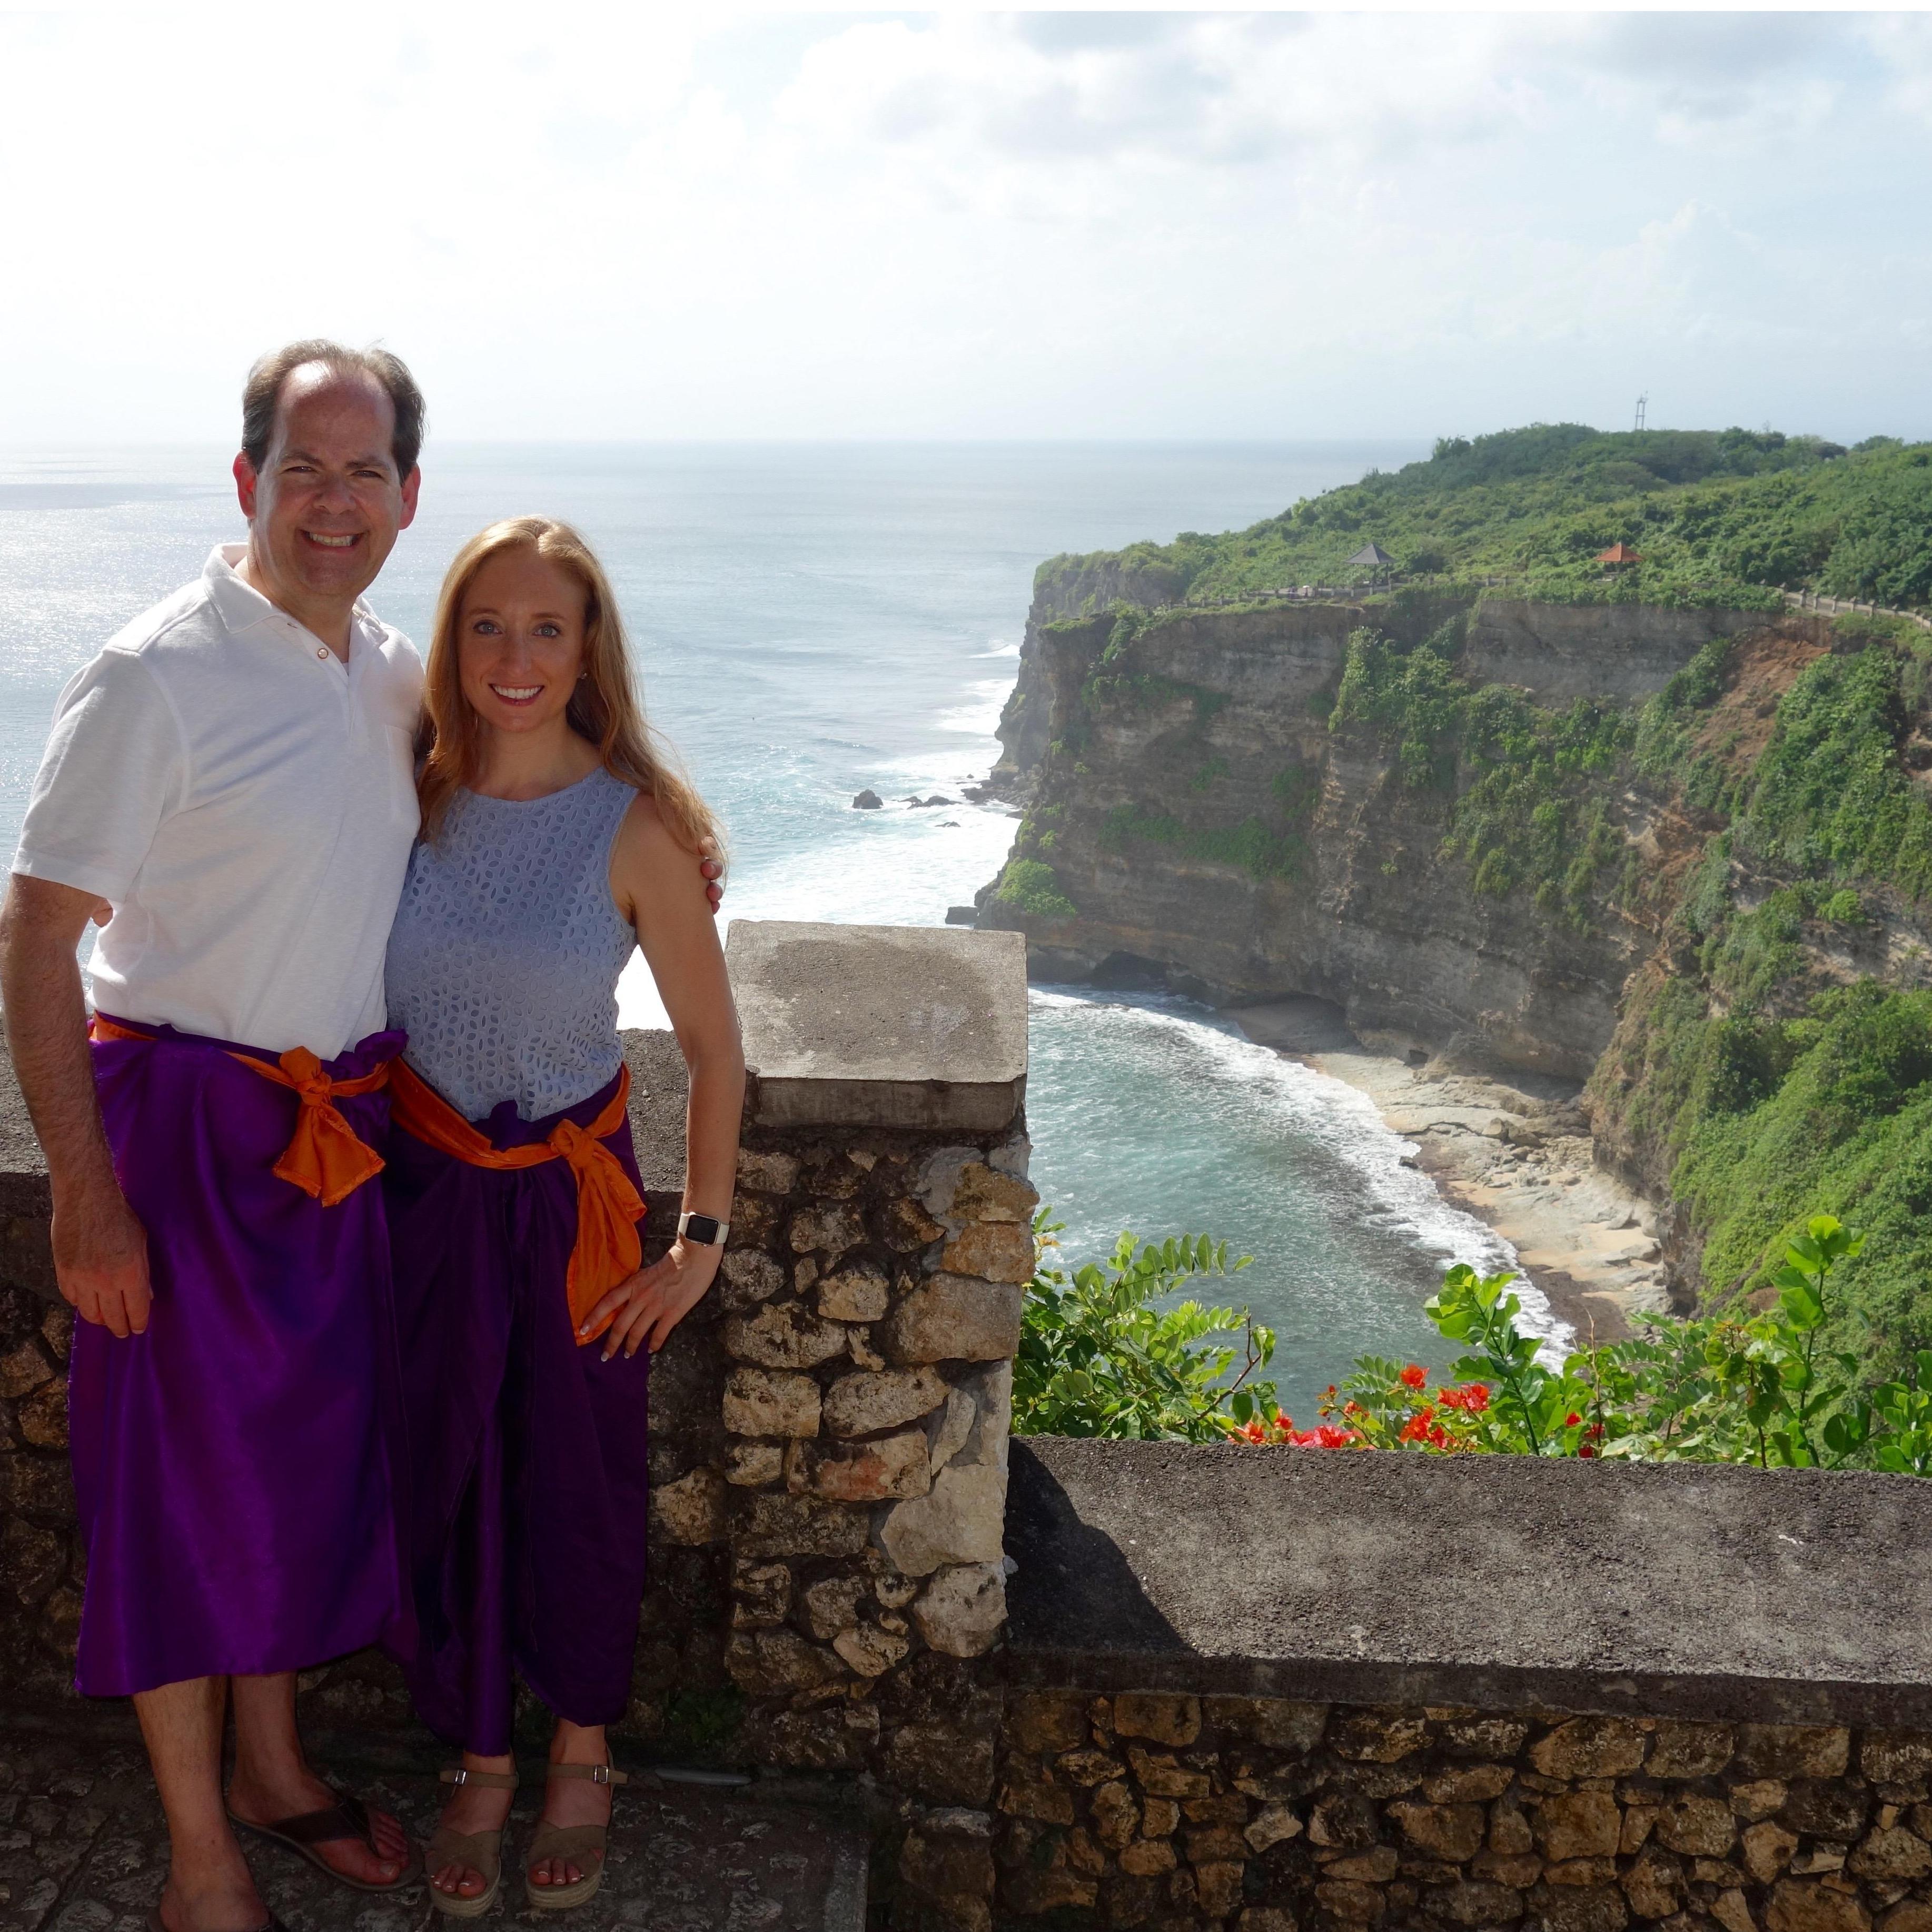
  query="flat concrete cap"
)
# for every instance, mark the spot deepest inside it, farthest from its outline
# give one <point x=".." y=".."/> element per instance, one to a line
<point x="885" y="1026"/>
<point x="1689" y="1590"/>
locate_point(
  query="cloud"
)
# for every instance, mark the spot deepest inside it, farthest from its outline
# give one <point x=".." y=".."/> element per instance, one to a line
<point x="600" y="221"/>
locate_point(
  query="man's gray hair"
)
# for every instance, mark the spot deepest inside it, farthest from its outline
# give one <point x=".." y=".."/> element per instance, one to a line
<point x="263" y="393"/>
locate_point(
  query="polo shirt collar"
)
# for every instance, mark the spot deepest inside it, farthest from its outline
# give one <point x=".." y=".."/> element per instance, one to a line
<point x="241" y="606"/>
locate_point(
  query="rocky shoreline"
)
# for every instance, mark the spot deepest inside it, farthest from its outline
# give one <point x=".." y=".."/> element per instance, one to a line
<point x="1515" y="1151"/>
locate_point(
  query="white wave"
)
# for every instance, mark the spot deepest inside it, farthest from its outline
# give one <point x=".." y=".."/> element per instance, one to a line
<point x="1406" y="1201"/>
<point x="979" y="716"/>
<point x="1000" y="650"/>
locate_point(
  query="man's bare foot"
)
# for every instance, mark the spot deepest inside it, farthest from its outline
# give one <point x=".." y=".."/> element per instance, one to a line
<point x="473" y="1808"/>
<point x="266" y="1799"/>
<point x="573" y="1800"/>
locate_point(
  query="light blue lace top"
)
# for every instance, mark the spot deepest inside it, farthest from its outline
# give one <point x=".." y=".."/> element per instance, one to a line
<point x="503" y="961"/>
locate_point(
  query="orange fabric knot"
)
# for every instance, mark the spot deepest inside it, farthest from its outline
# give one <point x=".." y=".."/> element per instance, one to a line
<point x="608" y="1249"/>
<point x="325" y="1156"/>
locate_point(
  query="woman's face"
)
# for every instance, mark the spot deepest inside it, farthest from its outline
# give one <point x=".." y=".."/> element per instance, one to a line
<point x="520" y="641"/>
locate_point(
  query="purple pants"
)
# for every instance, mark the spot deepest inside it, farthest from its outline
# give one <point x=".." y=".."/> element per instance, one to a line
<point x="530" y="1482"/>
<point x="234" y="1466"/>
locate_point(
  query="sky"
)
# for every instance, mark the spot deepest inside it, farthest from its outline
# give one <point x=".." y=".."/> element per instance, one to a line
<point x="581" y="222"/>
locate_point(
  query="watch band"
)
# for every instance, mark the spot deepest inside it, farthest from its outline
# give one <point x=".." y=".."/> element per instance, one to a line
<point x="705" y="1229"/>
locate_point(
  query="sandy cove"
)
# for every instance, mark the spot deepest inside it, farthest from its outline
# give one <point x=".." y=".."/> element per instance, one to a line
<point x="1515" y="1153"/>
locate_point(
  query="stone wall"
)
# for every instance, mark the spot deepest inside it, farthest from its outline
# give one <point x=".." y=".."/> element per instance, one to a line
<point x="1260" y="1814"/>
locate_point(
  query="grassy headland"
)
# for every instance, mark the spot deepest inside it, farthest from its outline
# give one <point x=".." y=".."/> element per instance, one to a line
<point x="1720" y="517"/>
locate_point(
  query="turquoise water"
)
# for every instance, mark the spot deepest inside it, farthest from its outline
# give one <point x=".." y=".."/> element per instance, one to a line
<point x="812" y="620"/>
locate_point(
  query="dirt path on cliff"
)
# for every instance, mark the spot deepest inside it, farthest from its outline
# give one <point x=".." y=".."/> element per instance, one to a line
<point x="1516" y="1154"/>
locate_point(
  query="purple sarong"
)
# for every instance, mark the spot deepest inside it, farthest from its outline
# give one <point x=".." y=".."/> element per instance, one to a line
<point x="234" y="1466"/>
<point x="530" y="1480"/>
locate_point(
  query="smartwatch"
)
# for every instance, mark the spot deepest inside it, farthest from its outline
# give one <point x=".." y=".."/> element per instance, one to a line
<point x="704" y="1229"/>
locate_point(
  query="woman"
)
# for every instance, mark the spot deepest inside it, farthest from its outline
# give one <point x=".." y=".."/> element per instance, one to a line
<point x="555" y="838"/>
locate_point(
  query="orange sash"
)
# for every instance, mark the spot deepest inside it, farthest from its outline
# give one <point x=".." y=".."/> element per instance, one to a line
<point x="608" y="1208"/>
<point x="325" y="1157"/>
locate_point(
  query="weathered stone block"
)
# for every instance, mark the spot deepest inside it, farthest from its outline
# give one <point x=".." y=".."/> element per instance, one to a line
<point x="828" y="1230"/>
<point x="829" y="1737"/>
<point x="1466" y="1784"/>
<point x="1211" y="1844"/>
<point x="745" y="1278"/>
<point x="981" y="1194"/>
<point x="1473" y="1902"/>
<point x="953" y="1318"/>
<point x="1825" y="1808"/>
<point x="751" y="1464"/>
<point x="1758" y="1799"/>
<point x="961" y="1521"/>
<point x="1379" y="1737"/>
<point x="787" y="1525"/>
<point x="1217" y="1886"/>
<point x="1579" y="1825"/>
<point x="1895" y="1757"/>
<point x="761" y="1594"/>
<point x="1041" y="1721"/>
<point x="766" y="1173"/>
<point x="876" y="1470"/>
<point x="993" y="1250"/>
<point x="1345" y="1820"/>
<point x="1509" y="1829"/>
<point x="946" y="1867"/>
<point x="1792" y="1750"/>
<point x="832" y="1605"/>
<point x="1698" y="1826"/>
<point x="1031" y="1889"/>
<point x="950" y="1427"/>
<point x="1167" y="1718"/>
<point x="1160" y="1817"/>
<point x="1272" y="1825"/>
<point x="855" y="1294"/>
<point x="1147" y="1856"/>
<point x="1589" y="1747"/>
<point x="905" y="1227"/>
<point x="1579" y="1908"/>
<point x="961" y="1611"/>
<point x="783" y="1335"/>
<point x="774" y="1662"/>
<point x="1159" y="1774"/>
<point x="870" y="1650"/>
<point x="942" y="1760"/>
<point x="1681" y="1749"/>
<point x="860" y="1405"/>
<point x="765" y="1402"/>
<point x="1454" y="1832"/>
<point x="1116" y="1817"/>
<point x="42" y="1416"/>
<point x="1802" y="1905"/>
<point x="1352" y="1904"/>
<point x="1045" y="1803"/>
<point x="1892" y="1857"/>
<point x="1768" y="1848"/>
<point x="24" y="1369"/>
<point x="692" y="1510"/>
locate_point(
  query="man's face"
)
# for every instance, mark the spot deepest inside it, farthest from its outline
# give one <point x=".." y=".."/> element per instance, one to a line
<point x="327" y="504"/>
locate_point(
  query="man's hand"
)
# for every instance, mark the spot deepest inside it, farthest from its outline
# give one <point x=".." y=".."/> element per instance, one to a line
<point x="100" y="1258"/>
<point x="101" y="1250"/>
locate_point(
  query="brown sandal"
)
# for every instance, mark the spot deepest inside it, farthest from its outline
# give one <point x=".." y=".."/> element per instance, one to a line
<point x="482" y="1852"/>
<point x="348" y="1817"/>
<point x="156" y="1923"/>
<point x="573" y="1843"/>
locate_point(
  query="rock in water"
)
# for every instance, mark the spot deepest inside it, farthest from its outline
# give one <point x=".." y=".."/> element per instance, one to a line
<point x="868" y="801"/>
<point x="961" y="915"/>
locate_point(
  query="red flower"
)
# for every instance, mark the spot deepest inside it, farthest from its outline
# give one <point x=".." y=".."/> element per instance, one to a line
<point x="1415" y="1375"/>
<point x="1571" y="1421"/>
<point x="1477" y="1395"/>
<point x="1595" y="1429"/>
<point x="1584" y="1449"/>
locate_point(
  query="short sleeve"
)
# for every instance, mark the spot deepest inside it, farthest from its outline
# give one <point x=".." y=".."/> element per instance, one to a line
<point x="116" y="765"/>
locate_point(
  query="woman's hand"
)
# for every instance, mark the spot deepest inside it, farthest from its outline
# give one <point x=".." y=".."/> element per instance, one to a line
<point x="651" y="1303"/>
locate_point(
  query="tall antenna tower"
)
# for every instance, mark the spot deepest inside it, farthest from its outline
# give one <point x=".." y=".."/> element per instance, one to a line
<point x="1642" y="402"/>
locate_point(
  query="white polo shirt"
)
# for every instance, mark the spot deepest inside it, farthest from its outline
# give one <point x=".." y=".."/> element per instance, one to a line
<point x="246" y="802"/>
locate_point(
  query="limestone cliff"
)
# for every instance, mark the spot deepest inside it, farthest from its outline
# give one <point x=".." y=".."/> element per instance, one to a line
<point x="1205" y="824"/>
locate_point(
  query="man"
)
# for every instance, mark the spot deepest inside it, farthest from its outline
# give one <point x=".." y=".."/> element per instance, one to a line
<point x="232" y="776"/>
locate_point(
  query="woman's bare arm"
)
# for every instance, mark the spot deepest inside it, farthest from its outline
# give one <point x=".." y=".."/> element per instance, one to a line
<point x="664" y="897"/>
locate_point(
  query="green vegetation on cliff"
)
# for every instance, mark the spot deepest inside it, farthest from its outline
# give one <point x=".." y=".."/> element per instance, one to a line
<point x="1719" y="518"/>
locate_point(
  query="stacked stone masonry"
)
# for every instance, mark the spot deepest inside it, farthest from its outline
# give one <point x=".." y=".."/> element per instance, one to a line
<point x="1178" y="1814"/>
<point x="869" y="1307"/>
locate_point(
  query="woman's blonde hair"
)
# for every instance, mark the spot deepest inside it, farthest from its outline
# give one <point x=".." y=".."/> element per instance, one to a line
<point x="603" y="707"/>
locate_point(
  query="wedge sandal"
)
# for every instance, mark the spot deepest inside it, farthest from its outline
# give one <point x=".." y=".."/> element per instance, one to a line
<point x="482" y="1852"/>
<point x="575" y="1843"/>
<point x="156" y="1923"/>
<point x="348" y="1817"/>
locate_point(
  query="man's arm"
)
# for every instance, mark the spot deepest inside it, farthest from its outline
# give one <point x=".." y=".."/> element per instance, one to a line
<point x="101" y="1250"/>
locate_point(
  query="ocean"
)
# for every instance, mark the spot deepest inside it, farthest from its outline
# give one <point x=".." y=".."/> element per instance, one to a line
<point x="815" y="620"/>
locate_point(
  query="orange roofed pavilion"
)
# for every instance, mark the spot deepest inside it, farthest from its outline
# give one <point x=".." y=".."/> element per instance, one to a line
<point x="1619" y="553"/>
